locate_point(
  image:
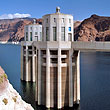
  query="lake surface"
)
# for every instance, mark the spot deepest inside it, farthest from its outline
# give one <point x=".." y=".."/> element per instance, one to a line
<point x="95" y="78"/>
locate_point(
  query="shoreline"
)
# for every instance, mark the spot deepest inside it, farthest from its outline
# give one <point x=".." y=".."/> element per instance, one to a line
<point x="13" y="43"/>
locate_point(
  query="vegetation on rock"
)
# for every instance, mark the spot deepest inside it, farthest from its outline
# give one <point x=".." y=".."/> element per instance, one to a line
<point x="5" y="101"/>
<point x="2" y="77"/>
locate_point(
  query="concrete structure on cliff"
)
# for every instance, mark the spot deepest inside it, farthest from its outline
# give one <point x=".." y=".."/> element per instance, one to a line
<point x="53" y="63"/>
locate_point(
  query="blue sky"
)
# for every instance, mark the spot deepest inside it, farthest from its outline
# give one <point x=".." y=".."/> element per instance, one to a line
<point x="80" y="9"/>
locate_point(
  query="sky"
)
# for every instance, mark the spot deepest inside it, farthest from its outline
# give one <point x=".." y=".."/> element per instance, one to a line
<point x="80" y="9"/>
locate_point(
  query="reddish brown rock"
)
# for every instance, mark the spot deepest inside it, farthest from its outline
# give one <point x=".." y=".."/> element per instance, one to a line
<point x="76" y="23"/>
<point x="95" y="28"/>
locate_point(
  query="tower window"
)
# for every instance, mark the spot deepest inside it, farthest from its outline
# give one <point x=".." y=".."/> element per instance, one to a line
<point x="69" y="37"/>
<point x="26" y="36"/>
<point x="31" y="28"/>
<point x="36" y="33"/>
<point x="54" y="34"/>
<point x="69" y="20"/>
<point x="47" y="34"/>
<point x="62" y="33"/>
<point x="54" y="19"/>
<point x="41" y="36"/>
<point x="69" y="28"/>
<point x="47" y="20"/>
<point x="62" y="20"/>
<point x="30" y="36"/>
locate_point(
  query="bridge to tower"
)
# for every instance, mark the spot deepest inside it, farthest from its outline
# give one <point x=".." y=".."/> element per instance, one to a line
<point x="96" y="46"/>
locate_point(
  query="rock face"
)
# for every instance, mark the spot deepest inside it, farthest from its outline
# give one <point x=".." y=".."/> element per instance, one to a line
<point x="76" y="23"/>
<point x="95" y="28"/>
<point x="13" y="29"/>
<point x="9" y="98"/>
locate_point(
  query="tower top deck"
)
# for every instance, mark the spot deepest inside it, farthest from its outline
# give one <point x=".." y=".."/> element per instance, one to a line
<point x="57" y="12"/>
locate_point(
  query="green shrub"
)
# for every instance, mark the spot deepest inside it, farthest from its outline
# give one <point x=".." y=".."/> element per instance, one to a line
<point x="5" y="76"/>
<point x="2" y="77"/>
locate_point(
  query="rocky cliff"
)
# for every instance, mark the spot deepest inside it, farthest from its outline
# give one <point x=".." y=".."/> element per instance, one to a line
<point x="9" y="98"/>
<point x="95" y="28"/>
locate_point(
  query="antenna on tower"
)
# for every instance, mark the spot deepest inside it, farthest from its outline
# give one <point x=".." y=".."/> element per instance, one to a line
<point x="34" y="21"/>
<point x="57" y="9"/>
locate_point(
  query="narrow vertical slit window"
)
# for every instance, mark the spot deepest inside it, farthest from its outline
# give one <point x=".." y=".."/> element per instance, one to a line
<point x="47" y="34"/>
<point x="47" y="20"/>
<point x="63" y="20"/>
<point x="26" y="36"/>
<point x="31" y="28"/>
<point x="36" y="33"/>
<point x="62" y="33"/>
<point x="54" y="34"/>
<point x="69" y="20"/>
<point x="30" y="36"/>
<point x="54" y="20"/>
<point x="40" y="36"/>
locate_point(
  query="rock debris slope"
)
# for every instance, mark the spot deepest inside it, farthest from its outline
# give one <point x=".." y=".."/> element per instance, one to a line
<point x="9" y="98"/>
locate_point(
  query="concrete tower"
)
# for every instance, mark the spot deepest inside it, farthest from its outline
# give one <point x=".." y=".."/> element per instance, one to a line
<point x="58" y="66"/>
<point x="56" y="63"/>
<point x="57" y="27"/>
<point x="33" y="32"/>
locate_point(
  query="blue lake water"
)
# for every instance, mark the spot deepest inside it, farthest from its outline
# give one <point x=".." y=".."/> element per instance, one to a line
<point x="95" y="78"/>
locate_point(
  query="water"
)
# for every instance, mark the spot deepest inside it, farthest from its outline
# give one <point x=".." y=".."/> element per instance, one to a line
<point x="95" y="78"/>
<point x="95" y="81"/>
